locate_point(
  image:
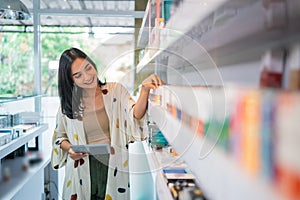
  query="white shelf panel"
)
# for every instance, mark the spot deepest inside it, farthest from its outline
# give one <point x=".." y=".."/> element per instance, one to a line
<point x="161" y="188"/>
<point x="18" y="177"/>
<point x="163" y="192"/>
<point x="23" y="139"/>
<point x="219" y="176"/>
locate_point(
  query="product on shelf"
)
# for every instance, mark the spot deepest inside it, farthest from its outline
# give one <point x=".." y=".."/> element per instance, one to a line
<point x="200" y="127"/>
<point x="4" y="121"/>
<point x="155" y="98"/>
<point x="273" y="64"/>
<point x="294" y="68"/>
<point x="30" y="118"/>
<point x="260" y="131"/>
<point x="154" y="42"/>
<point x="182" y="189"/>
<point x="25" y="164"/>
<point x="177" y="173"/>
<point x="192" y="193"/>
<point x="267" y="134"/>
<point x="235" y="136"/>
<point x="250" y="141"/>
<point x="34" y="157"/>
<point x="11" y="119"/>
<point x="166" y="9"/>
<point x="6" y="174"/>
<point x="5" y="137"/>
<point x="158" y="140"/>
<point x="218" y="131"/>
<point x="23" y="128"/>
<point x="286" y="158"/>
<point x="13" y="134"/>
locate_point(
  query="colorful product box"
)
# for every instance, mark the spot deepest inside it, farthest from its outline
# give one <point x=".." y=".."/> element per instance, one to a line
<point x="287" y="148"/>
<point x="250" y="132"/>
<point x="267" y="134"/>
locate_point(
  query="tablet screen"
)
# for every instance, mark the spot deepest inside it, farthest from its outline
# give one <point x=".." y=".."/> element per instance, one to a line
<point x="92" y="149"/>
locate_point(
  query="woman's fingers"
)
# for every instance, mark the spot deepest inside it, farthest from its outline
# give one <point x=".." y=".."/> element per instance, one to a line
<point x="77" y="156"/>
<point x="155" y="80"/>
<point x="152" y="82"/>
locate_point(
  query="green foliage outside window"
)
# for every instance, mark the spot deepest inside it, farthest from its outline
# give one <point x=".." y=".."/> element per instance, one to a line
<point x="17" y="61"/>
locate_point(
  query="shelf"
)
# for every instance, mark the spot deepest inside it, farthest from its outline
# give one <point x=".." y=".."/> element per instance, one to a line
<point x="18" y="177"/>
<point x="194" y="11"/>
<point x="161" y="188"/>
<point x="217" y="174"/>
<point x="205" y="41"/>
<point x="23" y="139"/>
<point x="8" y="99"/>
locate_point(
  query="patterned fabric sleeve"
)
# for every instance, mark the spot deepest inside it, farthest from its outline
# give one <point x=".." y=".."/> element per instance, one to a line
<point x="59" y="156"/>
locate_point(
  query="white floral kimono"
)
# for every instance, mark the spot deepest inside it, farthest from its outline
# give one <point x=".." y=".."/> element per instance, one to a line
<point x="123" y="129"/>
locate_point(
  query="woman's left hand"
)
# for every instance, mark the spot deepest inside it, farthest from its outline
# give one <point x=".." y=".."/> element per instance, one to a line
<point x="152" y="82"/>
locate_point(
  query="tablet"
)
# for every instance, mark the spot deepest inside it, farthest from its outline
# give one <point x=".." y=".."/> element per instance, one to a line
<point x="92" y="149"/>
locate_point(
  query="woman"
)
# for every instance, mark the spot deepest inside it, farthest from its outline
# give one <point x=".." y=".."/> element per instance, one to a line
<point x="95" y="112"/>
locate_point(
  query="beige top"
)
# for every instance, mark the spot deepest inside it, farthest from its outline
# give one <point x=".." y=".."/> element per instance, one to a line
<point x="96" y="126"/>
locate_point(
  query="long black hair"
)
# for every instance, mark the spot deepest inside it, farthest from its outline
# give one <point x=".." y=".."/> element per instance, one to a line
<point x="70" y="94"/>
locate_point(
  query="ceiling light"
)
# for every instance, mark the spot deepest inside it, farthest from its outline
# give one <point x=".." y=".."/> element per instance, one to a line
<point x="13" y="10"/>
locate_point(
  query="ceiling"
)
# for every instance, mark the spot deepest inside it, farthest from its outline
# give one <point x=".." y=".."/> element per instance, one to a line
<point x="84" y="13"/>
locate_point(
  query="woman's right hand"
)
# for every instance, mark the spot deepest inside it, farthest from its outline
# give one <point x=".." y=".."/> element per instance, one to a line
<point x="76" y="156"/>
<point x="152" y="82"/>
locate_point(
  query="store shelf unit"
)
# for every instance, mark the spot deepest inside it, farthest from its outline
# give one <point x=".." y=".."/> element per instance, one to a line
<point x="204" y="35"/>
<point x="177" y="26"/>
<point x="223" y="32"/>
<point x="20" y="179"/>
<point x="217" y="174"/>
<point x="200" y="41"/>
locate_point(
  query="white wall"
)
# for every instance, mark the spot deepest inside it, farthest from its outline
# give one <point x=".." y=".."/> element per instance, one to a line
<point x="50" y="106"/>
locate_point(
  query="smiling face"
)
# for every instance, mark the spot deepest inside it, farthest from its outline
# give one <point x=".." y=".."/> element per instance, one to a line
<point x="84" y="74"/>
